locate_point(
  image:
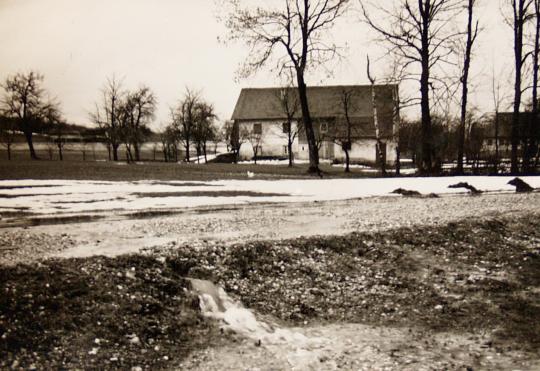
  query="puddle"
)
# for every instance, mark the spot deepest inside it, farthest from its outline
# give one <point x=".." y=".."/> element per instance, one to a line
<point x="29" y="186"/>
<point x="37" y="221"/>
<point x="209" y="194"/>
<point x="3" y="195"/>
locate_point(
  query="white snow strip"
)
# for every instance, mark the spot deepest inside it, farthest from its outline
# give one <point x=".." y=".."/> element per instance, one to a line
<point x="71" y="196"/>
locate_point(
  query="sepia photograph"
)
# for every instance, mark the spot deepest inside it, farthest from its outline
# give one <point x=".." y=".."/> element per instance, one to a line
<point x="267" y="185"/>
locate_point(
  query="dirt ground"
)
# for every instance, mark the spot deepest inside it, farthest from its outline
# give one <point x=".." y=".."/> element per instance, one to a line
<point x="244" y="223"/>
<point x="379" y="283"/>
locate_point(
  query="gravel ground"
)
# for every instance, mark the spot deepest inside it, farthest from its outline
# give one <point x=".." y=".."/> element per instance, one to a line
<point x="228" y="225"/>
<point x="411" y="283"/>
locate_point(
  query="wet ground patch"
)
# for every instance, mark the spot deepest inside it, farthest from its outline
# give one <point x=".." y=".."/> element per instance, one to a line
<point x="28" y="220"/>
<point x="4" y="187"/>
<point x="4" y="195"/>
<point x="208" y="194"/>
<point x="186" y="184"/>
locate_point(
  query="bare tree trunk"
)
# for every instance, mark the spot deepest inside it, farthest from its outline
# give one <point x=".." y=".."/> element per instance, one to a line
<point x="137" y="151"/>
<point x="398" y="160"/>
<point x="308" y="124"/>
<point x="187" y="150"/>
<point x="60" y="154"/>
<point x="129" y="156"/>
<point x="290" y="140"/>
<point x="519" y="21"/>
<point x="378" y="145"/>
<point x="347" y="161"/>
<point x="289" y="145"/>
<point x="497" y="155"/>
<point x="464" y="81"/>
<point x="28" y="136"/>
<point x="204" y="153"/>
<point x="426" y="165"/>
<point x="396" y="129"/>
<point x="9" y="151"/>
<point x="115" y="151"/>
<point x="534" y="131"/>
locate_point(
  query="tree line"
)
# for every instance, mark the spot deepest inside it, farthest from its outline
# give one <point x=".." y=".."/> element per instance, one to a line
<point x="122" y="119"/>
<point x="431" y="42"/>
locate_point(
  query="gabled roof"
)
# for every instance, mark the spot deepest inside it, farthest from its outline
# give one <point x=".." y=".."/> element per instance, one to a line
<point x="324" y="102"/>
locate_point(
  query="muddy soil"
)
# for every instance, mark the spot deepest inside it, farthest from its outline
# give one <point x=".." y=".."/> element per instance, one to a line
<point x="232" y="224"/>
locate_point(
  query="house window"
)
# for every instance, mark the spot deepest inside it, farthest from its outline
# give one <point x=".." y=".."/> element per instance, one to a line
<point x="490" y="142"/>
<point x="286" y="127"/>
<point x="285" y="150"/>
<point x="257" y="128"/>
<point x="324" y="127"/>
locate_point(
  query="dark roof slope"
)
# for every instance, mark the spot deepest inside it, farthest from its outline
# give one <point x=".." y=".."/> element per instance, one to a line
<point x="505" y="120"/>
<point x="324" y="102"/>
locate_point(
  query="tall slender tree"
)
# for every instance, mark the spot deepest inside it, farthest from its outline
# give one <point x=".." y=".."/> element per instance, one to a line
<point x="378" y="143"/>
<point x="534" y="124"/>
<point x="520" y="12"/>
<point x="106" y="114"/>
<point x="471" y="35"/>
<point x="418" y="33"/>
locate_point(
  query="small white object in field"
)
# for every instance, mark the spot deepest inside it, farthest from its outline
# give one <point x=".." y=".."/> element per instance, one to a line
<point x="250" y="174"/>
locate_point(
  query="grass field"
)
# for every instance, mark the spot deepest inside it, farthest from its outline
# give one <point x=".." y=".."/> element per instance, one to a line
<point x="117" y="171"/>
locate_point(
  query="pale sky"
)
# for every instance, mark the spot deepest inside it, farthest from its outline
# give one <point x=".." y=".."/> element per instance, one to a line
<point x="171" y="44"/>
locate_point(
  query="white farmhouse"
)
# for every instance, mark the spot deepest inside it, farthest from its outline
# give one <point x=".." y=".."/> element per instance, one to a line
<point x="261" y="121"/>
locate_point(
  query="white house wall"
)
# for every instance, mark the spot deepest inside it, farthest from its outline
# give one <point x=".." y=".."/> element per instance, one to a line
<point x="273" y="140"/>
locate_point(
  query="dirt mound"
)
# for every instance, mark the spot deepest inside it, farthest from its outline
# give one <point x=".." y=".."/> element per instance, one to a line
<point x="98" y="313"/>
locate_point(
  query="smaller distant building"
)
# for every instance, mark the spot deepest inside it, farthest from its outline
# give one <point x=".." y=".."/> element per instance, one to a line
<point x="261" y="112"/>
<point x="500" y="129"/>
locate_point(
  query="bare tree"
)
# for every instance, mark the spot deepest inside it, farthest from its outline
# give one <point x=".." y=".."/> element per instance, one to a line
<point x="343" y="134"/>
<point x="417" y="32"/>
<point x="378" y="146"/>
<point x="471" y="35"/>
<point x="534" y="125"/>
<point x="8" y="127"/>
<point x="397" y="75"/>
<point x="106" y="114"/>
<point x="203" y="128"/>
<point x="24" y="101"/>
<point x="290" y="106"/>
<point x="56" y="128"/>
<point x="234" y="138"/>
<point x="254" y="138"/>
<point x="184" y="117"/>
<point x="140" y="106"/>
<point x="497" y="102"/>
<point x="520" y="13"/>
<point x="169" y="142"/>
<point x="298" y="29"/>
